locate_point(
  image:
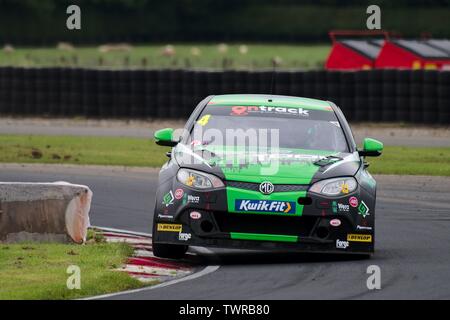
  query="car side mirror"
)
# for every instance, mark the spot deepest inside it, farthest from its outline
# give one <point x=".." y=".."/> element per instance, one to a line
<point x="371" y="148"/>
<point x="164" y="137"/>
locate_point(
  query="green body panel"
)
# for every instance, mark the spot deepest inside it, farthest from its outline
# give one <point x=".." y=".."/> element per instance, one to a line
<point x="295" y="166"/>
<point x="164" y="137"/>
<point x="234" y="194"/>
<point x="262" y="237"/>
<point x="277" y="101"/>
<point x="372" y="145"/>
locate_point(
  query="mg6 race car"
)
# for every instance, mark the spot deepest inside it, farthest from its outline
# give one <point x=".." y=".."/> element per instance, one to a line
<point x="265" y="172"/>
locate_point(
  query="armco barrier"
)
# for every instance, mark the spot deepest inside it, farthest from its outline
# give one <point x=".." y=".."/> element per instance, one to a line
<point x="420" y="96"/>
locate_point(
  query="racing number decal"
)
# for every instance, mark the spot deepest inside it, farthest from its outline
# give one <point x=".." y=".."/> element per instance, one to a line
<point x="204" y="120"/>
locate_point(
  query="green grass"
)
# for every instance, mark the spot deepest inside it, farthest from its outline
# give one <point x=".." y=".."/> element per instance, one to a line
<point x="412" y="161"/>
<point x="145" y="153"/>
<point x="258" y="56"/>
<point x="39" y="271"/>
<point x="81" y="150"/>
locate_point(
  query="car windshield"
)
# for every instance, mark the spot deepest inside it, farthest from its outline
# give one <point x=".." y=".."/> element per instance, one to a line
<point x="255" y="126"/>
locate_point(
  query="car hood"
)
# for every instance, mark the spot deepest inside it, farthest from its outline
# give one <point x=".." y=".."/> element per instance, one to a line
<point x="280" y="166"/>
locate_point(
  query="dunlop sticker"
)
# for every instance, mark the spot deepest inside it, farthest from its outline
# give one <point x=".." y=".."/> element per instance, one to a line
<point x="359" y="237"/>
<point x="169" y="227"/>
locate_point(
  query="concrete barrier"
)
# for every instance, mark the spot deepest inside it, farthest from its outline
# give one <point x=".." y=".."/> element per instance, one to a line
<point x="44" y="212"/>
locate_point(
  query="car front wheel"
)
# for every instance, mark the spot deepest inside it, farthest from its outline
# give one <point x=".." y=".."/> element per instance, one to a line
<point x="171" y="251"/>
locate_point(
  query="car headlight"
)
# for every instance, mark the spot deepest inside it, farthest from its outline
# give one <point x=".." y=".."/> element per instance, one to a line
<point x="335" y="187"/>
<point x="198" y="180"/>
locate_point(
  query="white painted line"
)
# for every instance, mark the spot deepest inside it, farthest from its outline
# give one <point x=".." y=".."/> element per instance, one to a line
<point x="142" y="242"/>
<point x="153" y="270"/>
<point x="119" y="234"/>
<point x="201" y="273"/>
<point x="142" y="247"/>
<point x="207" y="270"/>
<point x="123" y="231"/>
<point x="143" y="254"/>
<point x="146" y="279"/>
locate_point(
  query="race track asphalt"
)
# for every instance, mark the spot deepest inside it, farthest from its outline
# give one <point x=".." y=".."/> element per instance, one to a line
<point x="412" y="248"/>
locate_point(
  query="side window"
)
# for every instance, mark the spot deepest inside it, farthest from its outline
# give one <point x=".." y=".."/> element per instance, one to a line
<point x="347" y="131"/>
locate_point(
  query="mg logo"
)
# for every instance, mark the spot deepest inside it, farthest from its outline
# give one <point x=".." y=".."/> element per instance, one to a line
<point x="266" y="187"/>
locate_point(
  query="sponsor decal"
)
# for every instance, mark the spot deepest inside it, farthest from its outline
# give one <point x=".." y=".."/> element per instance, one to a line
<point x="184" y="236"/>
<point x="343" y="207"/>
<point x="204" y="120"/>
<point x="265" y="206"/>
<point x="195" y="215"/>
<point x="251" y="157"/>
<point x="363" y="209"/>
<point x="193" y="199"/>
<point x="334" y="206"/>
<point x="245" y="110"/>
<point x="358" y="227"/>
<point x="340" y="244"/>
<point x="353" y="201"/>
<point x="168" y="227"/>
<point x="339" y="207"/>
<point x="168" y="198"/>
<point x="335" y="222"/>
<point x="188" y="198"/>
<point x="241" y="110"/>
<point x="266" y="187"/>
<point x="179" y="194"/>
<point x="165" y="216"/>
<point x="359" y="237"/>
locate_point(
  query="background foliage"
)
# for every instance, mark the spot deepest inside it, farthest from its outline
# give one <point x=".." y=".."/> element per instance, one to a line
<point x="39" y="22"/>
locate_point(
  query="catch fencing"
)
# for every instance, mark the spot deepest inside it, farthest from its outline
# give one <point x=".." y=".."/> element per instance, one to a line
<point x="417" y="96"/>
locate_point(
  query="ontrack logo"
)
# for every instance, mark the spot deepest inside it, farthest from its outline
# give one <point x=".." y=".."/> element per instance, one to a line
<point x="245" y="110"/>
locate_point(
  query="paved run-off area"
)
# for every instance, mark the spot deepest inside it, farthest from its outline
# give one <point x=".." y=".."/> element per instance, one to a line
<point x="413" y="219"/>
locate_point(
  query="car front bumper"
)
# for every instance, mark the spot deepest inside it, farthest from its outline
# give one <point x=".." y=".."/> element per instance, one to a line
<point x="321" y="224"/>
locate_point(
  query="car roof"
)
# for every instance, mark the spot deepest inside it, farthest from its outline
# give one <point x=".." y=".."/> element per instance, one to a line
<point x="270" y="100"/>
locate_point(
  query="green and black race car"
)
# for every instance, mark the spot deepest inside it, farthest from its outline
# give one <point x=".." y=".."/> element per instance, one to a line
<point x="265" y="172"/>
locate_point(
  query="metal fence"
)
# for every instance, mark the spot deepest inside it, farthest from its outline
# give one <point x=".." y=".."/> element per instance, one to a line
<point x="418" y="96"/>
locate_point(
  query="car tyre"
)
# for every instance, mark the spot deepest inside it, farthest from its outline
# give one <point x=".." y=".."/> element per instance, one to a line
<point x="170" y="251"/>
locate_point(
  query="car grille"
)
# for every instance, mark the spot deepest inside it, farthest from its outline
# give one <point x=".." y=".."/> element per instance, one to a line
<point x="277" y="187"/>
<point x="268" y="224"/>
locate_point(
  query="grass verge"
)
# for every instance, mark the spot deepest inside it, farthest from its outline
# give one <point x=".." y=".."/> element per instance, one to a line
<point x="412" y="161"/>
<point x="143" y="152"/>
<point x="139" y="152"/>
<point x="195" y="55"/>
<point x="39" y="271"/>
